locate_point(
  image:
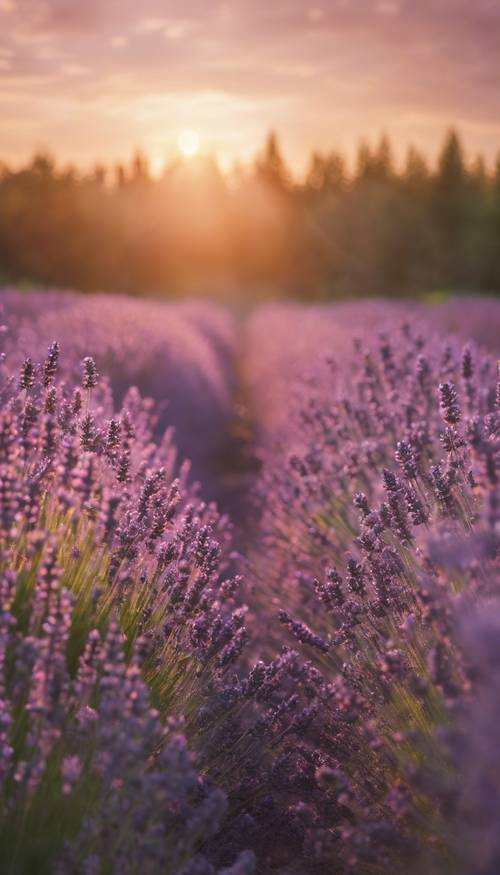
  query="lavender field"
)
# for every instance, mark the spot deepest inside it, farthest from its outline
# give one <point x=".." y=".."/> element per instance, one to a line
<point x="250" y="602"/>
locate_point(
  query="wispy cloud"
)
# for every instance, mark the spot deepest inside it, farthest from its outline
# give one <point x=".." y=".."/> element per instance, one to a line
<point x="324" y="73"/>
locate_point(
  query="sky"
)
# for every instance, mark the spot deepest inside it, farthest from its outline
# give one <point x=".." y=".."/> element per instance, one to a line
<point x="94" y="79"/>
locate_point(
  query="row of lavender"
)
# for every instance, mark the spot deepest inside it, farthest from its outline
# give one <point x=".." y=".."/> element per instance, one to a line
<point x="122" y="641"/>
<point x="379" y="525"/>
<point x="179" y="354"/>
<point x="284" y="342"/>
<point x="139" y="730"/>
<point x="118" y="594"/>
<point x="118" y="614"/>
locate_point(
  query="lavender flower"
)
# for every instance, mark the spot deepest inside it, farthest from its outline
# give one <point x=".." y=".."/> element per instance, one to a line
<point x="449" y="403"/>
<point x="27" y="376"/>
<point x="90" y="373"/>
<point x="368" y="747"/>
<point x="51" y="364"/>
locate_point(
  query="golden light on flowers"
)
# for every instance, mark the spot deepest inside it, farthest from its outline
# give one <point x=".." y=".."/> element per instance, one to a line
<point x="188" y="143"/>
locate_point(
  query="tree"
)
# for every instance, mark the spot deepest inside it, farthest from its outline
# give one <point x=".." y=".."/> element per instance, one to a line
<point x="375" y="165"/>
<point x="140" y="168"/>
<point x="120" y="176"/>
<point x="450" y="209"/>
<point x="364" y="162"/>
<point x="493" y="234"/>
<point x="451" y="174"/>
<point x="383" y="168"/>
<point x="271" y="167"/>
<point x="326" y="172"/>
<point x="416" y="171"/>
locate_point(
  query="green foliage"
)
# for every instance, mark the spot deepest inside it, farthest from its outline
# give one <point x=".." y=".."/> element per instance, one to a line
<point x="376" y="231"/>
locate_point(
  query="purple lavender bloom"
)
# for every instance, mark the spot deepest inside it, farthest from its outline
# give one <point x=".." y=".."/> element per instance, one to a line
<point x="449" y="403"/>
<point x="27" y="375"/>
<point x="122" y="603"/>
<point x="51" y="364"/>
<point x="90" y="373"/>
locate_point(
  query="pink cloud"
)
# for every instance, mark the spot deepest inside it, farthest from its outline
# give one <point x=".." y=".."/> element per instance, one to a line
<point x="327" y="65"/>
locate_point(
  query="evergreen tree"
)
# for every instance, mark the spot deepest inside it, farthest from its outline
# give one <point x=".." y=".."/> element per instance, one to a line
<point x="364" y="162"/>
<point x="383" y="168"/>
<point x="271" y="167"/>
<point x="492" y="279"/>
<point x="139" y="172"/>
<point x="326" y="172"/>
<point x="373" y="231"/>
<point x="450" y="210"/>
<point x="416" y="172"/>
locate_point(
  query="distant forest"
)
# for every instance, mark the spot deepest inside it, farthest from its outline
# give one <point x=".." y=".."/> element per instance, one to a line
<point x="376" y="230"/>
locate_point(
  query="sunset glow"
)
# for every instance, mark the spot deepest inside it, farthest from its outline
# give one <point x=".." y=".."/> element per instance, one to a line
<point x="96" y="80"/>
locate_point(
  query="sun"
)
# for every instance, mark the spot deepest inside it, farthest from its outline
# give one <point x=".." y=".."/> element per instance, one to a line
<point x="188" y="142"/>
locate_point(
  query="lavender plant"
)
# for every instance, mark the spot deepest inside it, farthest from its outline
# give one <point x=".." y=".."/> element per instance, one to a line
<point x="149" y="720"/>
<point x="379" y="521"/>
<point x="117" y="606"/>
<point x="178" y="354"/>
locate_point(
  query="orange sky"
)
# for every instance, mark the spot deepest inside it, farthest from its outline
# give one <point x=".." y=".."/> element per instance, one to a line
<point x="94" y="79"/>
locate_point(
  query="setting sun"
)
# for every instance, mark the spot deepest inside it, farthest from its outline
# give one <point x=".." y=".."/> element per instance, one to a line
<point x="188" y="143"/>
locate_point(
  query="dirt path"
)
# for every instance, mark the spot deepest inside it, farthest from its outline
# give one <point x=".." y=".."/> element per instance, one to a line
<point x="237" y="465"/>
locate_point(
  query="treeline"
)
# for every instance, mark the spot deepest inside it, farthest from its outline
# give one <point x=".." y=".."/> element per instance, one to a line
<point x="377" y="230"/>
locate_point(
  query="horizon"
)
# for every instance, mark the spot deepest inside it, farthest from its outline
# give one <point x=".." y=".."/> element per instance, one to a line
<point x="179" y="158"/>
<point x="97" y="82"/>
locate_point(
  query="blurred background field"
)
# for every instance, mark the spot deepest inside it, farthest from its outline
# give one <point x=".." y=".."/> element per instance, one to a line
<point x="223" y="377"/>
<point x="179" y="355"/>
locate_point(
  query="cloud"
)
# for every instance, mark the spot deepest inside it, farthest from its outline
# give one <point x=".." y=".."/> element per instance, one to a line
<point x="321" y="71"/>
<point x="151" y="25"/>
<point x="74" y="70"/>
